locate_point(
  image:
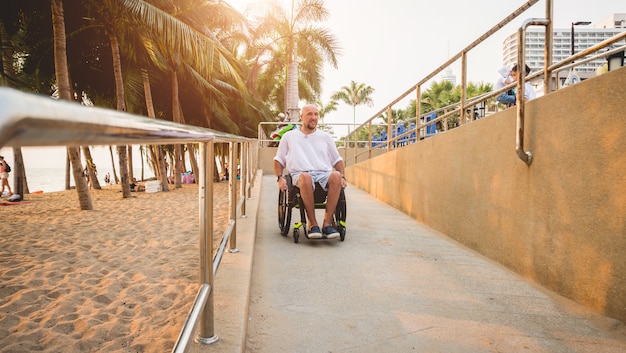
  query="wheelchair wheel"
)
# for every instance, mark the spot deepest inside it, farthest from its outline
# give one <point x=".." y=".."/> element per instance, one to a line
<point x="340" y="216"/>
<point x="284" y="212"/>
<point x="342" y="233"/>
<point x="296" y="236"/>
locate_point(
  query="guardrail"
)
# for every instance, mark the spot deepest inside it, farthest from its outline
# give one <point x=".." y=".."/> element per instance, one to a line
<point x="466" y="106"/>
<point x="28" y="120"/>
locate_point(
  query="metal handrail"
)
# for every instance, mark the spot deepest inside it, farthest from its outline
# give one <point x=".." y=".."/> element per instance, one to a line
<point x="460" y="108"/>
<point x="525" y="156"/>
<point x="453" y="59"/>
<point x="33" y="120"/>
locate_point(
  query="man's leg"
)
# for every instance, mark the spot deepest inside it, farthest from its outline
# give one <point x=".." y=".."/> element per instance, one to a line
<point x="332" y="198"/>
<point x="305" y="183"/>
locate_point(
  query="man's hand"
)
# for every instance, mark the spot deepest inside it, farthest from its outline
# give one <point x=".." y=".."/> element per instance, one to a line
<point x="282" y="183"/>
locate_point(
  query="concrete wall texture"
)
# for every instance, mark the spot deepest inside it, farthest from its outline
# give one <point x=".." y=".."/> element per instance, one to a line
<point x="560" y="222"/>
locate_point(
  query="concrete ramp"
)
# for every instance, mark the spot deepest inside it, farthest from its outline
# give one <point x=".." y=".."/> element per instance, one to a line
<point x="396" y="286"/>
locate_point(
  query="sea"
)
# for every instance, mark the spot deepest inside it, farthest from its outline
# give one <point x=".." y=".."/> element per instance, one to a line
<point x="53" y="179"/>
<point x="45" y="166"/>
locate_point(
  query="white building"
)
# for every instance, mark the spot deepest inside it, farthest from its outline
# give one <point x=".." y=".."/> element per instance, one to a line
<point x="584" y="37"/>
<point x="616" y="20"/>
<point x="449" y="76"/>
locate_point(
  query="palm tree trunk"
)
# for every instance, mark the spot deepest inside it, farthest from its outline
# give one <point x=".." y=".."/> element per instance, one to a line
<point x="68" y="170"/>
<point x="176" y="110"/>
<point x="63" y="86"/>
<point x="20" y="184"/>
<point x="156" y="152"/>
<point x="131" y="172"/>
<point x="121" y="106"/>
<point x="141" y="157"/>
<point x="192" y="159"/>
<point x="117" y="180"/>
<point x="91" y="168"/>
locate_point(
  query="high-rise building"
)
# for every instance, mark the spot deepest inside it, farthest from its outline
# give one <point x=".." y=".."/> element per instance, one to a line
<point x="449" y="76"/>
<point x="584" y="37"/>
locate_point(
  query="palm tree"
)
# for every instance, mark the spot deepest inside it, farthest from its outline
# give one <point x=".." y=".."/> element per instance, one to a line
<point x="203" y="58"/>
<point x="288" y="54"/>
<point x="24" y="27"/>
<point x="439" y="95"/>
<point x="63" y="84"/>
<point x="325" y="108"/>
<point x="355" y="94"/>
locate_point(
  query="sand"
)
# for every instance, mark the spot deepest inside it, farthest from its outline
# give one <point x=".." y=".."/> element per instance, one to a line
<point x="119" y="278"/>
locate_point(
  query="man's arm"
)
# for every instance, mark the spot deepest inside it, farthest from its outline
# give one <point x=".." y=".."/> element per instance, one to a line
<point x="339" y="166"/>
<point x="278" y="171"/>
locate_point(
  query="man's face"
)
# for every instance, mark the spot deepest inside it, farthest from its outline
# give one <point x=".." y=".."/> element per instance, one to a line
<point x="310" y="116"/>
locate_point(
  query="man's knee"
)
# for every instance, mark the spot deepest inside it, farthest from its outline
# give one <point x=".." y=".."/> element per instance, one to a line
<point x="305" y="179"/>
<point x="334" y="179"/>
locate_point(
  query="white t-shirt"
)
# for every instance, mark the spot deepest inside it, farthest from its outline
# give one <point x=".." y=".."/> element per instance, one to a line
<point x="529" y="91"/>
<point x="315" y="152"/>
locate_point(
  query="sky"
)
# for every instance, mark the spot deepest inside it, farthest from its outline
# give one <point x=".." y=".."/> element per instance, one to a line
<point x="391" y="45"/>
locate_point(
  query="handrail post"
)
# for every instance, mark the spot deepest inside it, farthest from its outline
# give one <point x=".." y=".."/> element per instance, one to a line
<point x="232" y="182"/>
<point x="356" y="144"/>
<point x="244" y="177"/>
<point x="418" y="112"/>
<point x="206" y="329"/>
<point x="369" y="139"/>
<point x="389" y="128"/>
<point x="525" y="156"/>
<point x="547" y="55"/>
<point x="463" y="87"/>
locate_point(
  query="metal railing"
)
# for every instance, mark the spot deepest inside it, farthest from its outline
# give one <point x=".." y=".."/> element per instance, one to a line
<point x="28" y="120"/>
<point x="459" y="111"/>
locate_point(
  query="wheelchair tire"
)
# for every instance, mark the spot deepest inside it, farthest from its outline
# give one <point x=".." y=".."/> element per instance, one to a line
<point x="296" y="236"/>
<point x="284" y="213"/>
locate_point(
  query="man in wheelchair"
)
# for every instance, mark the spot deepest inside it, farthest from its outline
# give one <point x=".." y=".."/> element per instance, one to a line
<point x="310" y="155"/>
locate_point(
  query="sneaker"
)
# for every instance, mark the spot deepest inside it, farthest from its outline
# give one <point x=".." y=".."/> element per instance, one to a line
<point x="330" y="232"/>
<point x="315" y="233"/>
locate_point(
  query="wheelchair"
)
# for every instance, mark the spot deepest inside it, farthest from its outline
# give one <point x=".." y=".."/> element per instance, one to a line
<point x="291" y="198"/>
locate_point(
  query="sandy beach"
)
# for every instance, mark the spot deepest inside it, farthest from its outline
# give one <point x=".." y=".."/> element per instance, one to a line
<point x="119" y="278"/>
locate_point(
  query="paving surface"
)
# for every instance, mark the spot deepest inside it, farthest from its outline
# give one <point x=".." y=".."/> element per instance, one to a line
<point x="393" y="285"/>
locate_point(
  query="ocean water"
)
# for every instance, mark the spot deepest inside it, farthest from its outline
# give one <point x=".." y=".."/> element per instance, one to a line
<point x="53" y="179"/>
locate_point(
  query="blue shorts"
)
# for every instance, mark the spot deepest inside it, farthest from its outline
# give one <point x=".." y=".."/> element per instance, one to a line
<point x="318" y="177"/>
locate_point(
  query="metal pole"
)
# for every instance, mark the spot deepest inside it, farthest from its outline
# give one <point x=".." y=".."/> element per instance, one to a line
<point x="389" y="128"/>
<point x="206" y="330"/>
<point x="463" y="87"/>
<point x="572" y="39"/>
<point x="232" y="181"/>
<point x="547" y="55"/>
<point x="244" y="176"/>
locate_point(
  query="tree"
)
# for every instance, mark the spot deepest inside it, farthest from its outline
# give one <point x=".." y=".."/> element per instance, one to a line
<point x="443" y="93"/>
<point x="355" y="94"/>
<point x="288" y="53"/>
<point x="63" y="84"/>
<point x="323" y="110"/>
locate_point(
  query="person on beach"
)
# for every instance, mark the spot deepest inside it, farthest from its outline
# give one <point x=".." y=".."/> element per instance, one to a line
<point x="4" y="175"/>
<point x="310" y="155"/>
<point x="134" y="187"/>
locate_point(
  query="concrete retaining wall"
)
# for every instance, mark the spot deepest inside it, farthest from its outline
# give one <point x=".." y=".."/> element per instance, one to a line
<point x="560" y="222"/>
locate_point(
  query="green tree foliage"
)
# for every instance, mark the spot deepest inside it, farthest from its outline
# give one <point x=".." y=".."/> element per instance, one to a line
<point x="283" y="36"/>
<point x="355" y="94"/>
